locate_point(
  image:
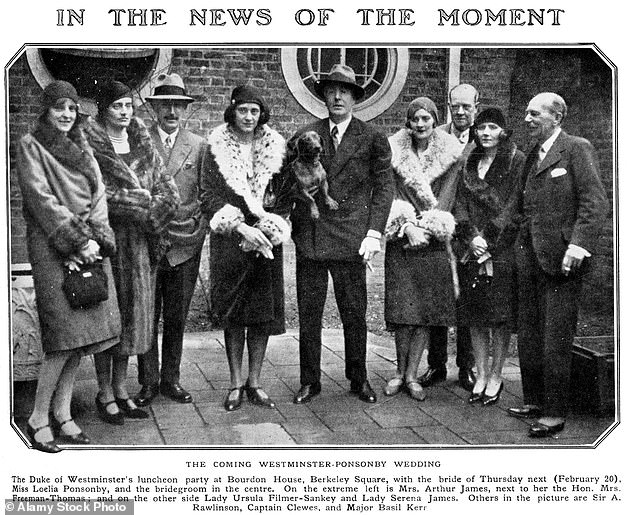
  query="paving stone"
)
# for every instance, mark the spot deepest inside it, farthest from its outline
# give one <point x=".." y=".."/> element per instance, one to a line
<point x="438" y="435"/>
<point x="176" y="415"/>
<point x="305" y="426"/>
<point x="401" y="417"/>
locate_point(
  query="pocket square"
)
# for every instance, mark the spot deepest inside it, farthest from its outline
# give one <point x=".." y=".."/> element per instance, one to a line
<point x="558" y="172"/>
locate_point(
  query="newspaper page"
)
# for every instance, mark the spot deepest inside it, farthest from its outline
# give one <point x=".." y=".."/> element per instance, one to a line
<point x="335" y="453"/>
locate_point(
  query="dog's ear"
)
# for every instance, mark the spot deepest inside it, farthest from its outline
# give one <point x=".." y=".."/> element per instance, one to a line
<point x="321" y="141"/>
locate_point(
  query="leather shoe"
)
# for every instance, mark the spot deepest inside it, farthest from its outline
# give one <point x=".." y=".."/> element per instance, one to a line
<point x="433" y="376"/>
<point x="487" y="400"/>
<point x="258" y="396"/>
<point x="466" y="379"/>
<point x="525" y="412"/>
<point x="233" y="401"/>
<point x="49" y="447"/>
<point x="364" y="391"/>
<point x="110" y="418"/>
<point x="78" y="439"/>
<point x="146" y="395"/>
<point x="476" y="397"/>
<point x="538" y="430"/>
<point x="129" y="409"/>
<point x="176" y="392"/>
<point x="306" y="393"/>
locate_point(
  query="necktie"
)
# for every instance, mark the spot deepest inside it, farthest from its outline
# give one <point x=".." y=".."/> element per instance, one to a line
<point x="335" y="137"/>
<point x="168" y="144"/>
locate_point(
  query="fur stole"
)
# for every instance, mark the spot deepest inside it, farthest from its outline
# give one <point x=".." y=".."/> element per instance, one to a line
<point x="248" y="179"/>
<point x="484" y="192"/>
<point x="71" y="150"/>
<point x="419" y="173"/>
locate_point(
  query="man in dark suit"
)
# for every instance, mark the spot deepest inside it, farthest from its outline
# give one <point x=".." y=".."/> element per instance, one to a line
<point x="560" y="205"/>
<point x="463" y="106"/>
<point x="341" y="242"/>
<point x="177" y="271"/>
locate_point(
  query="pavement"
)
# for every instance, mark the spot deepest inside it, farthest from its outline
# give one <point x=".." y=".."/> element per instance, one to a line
<point x="334" y="418"/>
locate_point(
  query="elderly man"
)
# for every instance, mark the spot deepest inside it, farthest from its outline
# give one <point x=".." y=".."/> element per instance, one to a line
<point x="341" y="242"/>
<point x="182" y="153"/>
<point x="463" y="105"/>
<point x="560" y="205"/>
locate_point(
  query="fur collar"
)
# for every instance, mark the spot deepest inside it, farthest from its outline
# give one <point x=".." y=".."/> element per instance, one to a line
<point x="485" y="191"/>
<point x="71" y="150"/>
<point x="419" y="173"/>
<point x="248" y="179"/>
<point x="144" y="155"/>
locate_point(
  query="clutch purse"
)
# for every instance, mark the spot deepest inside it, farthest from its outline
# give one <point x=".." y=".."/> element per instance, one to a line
<point x="87" y="287"/>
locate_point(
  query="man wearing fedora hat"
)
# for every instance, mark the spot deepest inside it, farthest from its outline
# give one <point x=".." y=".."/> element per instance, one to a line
<point x="341" y="242"/>
<point x="182" y="153"/>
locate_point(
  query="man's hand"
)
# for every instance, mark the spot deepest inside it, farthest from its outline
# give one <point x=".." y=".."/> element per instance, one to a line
<point x="369" y="247"/>
<point x="573" y="258"/>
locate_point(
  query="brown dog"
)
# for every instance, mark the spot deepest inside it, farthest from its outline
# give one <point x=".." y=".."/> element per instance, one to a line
<point x="310" y="174"/>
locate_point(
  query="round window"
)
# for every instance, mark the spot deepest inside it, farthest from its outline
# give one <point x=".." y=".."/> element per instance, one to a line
<point x="381" y="72"/>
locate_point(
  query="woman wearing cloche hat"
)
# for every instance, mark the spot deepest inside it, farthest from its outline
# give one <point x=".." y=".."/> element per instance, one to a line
<point x="488" y="300"/>
<point x="238" y="185"/>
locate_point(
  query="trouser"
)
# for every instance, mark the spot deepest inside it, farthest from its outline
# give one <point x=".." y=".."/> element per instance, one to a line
<point x="174" y="290"/>
<point x="348" y="279"/>
<point x="437" y="352"/>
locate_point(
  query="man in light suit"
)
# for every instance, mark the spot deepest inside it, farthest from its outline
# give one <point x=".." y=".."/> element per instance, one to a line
<point x="463" y="105"/>
<point x="560" y="205"/>
<point x="341" y="242"/>
<point x="182" y="153"/>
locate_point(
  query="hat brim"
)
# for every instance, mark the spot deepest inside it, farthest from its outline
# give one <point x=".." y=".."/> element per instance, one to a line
<point x="357" y="91"/>
<point x="170" y="97"/>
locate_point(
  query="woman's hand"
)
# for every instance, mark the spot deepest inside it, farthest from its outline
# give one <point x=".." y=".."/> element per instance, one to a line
<point x="478" y="246"/>
<point x="254" y="239"/>
<point x="89" y="253"/>
<point x="416" y="236"/>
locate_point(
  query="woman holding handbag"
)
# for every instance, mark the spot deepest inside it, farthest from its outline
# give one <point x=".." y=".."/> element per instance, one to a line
<point x="142" y="199"/>
<point x="64" y="202"/>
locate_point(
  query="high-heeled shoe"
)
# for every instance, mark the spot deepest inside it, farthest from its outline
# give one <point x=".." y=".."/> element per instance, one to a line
<point x="129" y="409"/>
<point x="49" y="446"/>
<point x="476" y="397"/>
<point x="234" y="404"/>
<point x="77" y="439"/>
<point x="109" y="418"/>
<point x="258" y="396"/>
<point x="487" y="400"/>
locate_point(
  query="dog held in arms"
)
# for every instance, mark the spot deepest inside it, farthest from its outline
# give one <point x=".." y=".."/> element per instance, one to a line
<point x="310" y="174"/>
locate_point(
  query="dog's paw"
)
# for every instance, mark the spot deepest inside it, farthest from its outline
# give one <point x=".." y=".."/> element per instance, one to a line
<point x="332" y="204"/>
<point x="314" y="213"/>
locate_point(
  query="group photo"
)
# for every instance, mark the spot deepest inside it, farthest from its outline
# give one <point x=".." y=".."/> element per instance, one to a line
<point x="289" y="247"/>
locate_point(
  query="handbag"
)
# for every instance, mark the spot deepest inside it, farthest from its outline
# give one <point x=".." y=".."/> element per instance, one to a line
<point x="85" y="287"/>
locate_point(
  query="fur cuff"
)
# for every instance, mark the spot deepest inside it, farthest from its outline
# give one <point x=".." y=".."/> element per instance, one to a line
<point x="129" y="205"/>
<point x="226" y="219"/>
<point x="275" y="228"/>
<point x="440" y="224"/>
<point x="104" y="235"/>
<point x="69" y="237"/>
<point x="400" y="213"/>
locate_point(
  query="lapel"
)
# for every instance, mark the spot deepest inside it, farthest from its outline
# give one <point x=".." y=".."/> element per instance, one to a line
<point x="181" y="149"/>
<point x="352" y="138"/>
<point x="554" y="154"/>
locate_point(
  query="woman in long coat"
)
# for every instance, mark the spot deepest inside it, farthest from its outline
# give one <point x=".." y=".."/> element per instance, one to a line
<point x="488" y="285"/>
<point x="247" y="282"/>
<point x="142" y="199"/>
<point x="420" y="279"/>
<point x="65" y="210"/>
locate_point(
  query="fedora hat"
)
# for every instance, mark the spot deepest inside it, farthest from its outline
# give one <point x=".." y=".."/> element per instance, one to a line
<point x="340" y="74"/>
<point x="170" y="86"/>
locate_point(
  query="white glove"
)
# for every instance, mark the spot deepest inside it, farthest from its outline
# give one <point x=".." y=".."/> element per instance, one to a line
<point x="369" y="247"/>
<point x="573" y="258"/>
<point x="478" y="246"/>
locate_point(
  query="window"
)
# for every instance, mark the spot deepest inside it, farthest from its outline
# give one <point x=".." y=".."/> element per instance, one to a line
<point x="381" y="72"/>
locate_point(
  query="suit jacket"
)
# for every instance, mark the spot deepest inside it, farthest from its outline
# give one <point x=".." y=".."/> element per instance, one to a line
<point x="446" y="127"/>
<point x="186" y="232"/>
<point x="563" y="200"/>
<point x="360" y="179"/>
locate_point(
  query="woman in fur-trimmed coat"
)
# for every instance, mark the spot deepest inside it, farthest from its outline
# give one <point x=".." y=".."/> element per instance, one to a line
<point x="488" y="302"/>
<point x="247" y="283"/>
<point x="420" y="278"/>
<point x="64" y="203"/>
<point x="142" y="199"/>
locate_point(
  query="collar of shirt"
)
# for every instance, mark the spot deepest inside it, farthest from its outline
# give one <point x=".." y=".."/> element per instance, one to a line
<point x="547" y="145"/>
<point x="463" y="136"/>
<point x="341" y="127"/>
<point x="163" y="135"/>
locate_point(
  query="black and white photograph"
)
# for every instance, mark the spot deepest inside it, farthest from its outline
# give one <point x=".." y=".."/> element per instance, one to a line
<point x="386" y="262"/>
